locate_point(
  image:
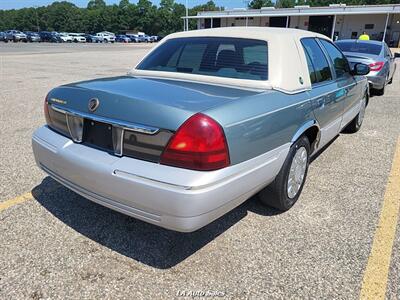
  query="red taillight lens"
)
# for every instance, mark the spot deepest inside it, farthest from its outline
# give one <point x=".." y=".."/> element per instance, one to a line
<point x="199" y="144"/>
<point x="46" y="111"/>
<point x="376" y="66"/>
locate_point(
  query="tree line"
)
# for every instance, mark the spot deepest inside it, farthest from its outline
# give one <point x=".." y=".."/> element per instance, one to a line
<point x="97" y="16"/>
<point x="125" y="16"/>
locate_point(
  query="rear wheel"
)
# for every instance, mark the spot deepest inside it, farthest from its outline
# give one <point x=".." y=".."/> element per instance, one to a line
<point x="285" y="190"/>
<point x="391" y="79"/>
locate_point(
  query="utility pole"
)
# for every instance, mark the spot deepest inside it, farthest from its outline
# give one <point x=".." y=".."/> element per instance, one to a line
<point x="37" y="18"/>
<point x="187" y="15"/>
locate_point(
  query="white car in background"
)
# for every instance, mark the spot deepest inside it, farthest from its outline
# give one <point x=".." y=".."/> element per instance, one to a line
<point x="65" y="37"/>
<point x="77" y="37"/>
<point x="106" y="37"/>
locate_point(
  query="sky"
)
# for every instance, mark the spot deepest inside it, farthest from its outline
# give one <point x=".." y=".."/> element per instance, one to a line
<point x="10" y="4"/>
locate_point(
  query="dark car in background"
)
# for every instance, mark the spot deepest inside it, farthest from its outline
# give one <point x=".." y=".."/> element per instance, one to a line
<point x="90" y="38"/>
<point x="134" y="38"/>
<point x="3" y="37"/>
<point x="51" y="37"/>
<point x="376" y="55"/>
<point x="122" y="39"/>
<point x="16" y="36"/>
<point x="146" y="39"/>
<point x="33" y="36"/>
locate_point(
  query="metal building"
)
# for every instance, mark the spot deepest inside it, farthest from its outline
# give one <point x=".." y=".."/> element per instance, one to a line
<point x="338" y="21"/>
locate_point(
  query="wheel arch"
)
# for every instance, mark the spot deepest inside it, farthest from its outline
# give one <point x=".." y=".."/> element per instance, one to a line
<point x="311" y="130"/>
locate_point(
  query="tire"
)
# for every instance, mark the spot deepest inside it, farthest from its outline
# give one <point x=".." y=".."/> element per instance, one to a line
<point x="356" y="123"/>
<point x="380" y="92"/>
<point x="279" y="194"/>
<point x="391" y="79"/>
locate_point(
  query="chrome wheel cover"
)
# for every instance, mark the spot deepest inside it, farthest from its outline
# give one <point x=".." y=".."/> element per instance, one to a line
<point x="297" y="172"/>
<point x="361" y="114"/>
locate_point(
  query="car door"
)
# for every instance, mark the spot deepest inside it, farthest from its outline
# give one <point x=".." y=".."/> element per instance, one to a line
<point x="346" y="83"/>
<point x="327" y="94"/>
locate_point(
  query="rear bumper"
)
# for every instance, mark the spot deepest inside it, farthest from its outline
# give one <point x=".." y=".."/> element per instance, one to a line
<point x="377" y="82"/>
<point x="173" y="198"/>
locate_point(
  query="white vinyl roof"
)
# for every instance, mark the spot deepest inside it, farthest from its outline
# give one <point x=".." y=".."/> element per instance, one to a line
<point x="287" y="65"/>
<point x="338" y="9"/>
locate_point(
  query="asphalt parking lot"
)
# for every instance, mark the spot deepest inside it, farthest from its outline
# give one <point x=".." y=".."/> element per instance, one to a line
<point x="56" y="244"/>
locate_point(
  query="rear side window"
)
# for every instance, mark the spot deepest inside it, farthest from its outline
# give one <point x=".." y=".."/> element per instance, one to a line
<point x="221" y="57"/>
<point x="317" y="59"/>
<point x="339" y="62"/>
<point x="388" y="53"/>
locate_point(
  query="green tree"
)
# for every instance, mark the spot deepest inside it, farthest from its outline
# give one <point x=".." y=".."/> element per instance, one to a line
<point x="96" y="4"/>
<point x="209" y="6"/>
<point x="128" y="15"/>
<point x="257" y="4"/>
<point x="169" y="17"/>
<point x="147" y="17"/>
<point x="285" y="3"/>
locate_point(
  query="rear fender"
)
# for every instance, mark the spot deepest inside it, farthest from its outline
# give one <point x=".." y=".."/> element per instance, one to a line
<point x="303" y="129"/>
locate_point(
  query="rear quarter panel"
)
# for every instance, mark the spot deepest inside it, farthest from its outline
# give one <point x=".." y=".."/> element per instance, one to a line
<point x="257" y="124"/>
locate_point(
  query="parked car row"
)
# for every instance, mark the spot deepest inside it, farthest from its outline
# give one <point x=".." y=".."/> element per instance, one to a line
<point x="135" y="38"/>
<point x="70" y="37"/>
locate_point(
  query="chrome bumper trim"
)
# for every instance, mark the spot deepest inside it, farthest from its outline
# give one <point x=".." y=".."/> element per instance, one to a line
<point x="124" y="125"/>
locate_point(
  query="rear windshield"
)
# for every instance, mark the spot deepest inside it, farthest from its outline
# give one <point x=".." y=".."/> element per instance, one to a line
<point x="360" y="47"/>
<point x="222" y="57"/>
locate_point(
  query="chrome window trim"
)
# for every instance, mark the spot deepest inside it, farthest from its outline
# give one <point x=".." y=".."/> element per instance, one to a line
<point x="122" y="142"/>
<point x="124" y="125"/>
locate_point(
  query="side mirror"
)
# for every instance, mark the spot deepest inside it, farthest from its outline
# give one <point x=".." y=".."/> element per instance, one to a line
<point x="360" y="69"/>
<point x="396" y="54"/>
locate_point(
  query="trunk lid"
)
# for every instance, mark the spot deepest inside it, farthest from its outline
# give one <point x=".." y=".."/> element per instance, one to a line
<point x="158" y="103"/>
<point x="355" y="57"/>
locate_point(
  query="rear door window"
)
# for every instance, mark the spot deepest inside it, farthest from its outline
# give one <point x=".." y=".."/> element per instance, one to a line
<point x="339" y="61"/>
<point x="316" y="57"/>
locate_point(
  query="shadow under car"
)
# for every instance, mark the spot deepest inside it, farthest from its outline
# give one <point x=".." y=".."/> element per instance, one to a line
<point x="144" y="242"/>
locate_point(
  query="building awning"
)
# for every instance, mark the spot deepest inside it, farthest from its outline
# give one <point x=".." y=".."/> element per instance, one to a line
<point x="339" y="9"/>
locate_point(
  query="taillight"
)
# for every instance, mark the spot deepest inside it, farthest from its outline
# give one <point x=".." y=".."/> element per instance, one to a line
<point x="377" y="66"/>
<point x="46" y="111"/>
<point x="199" y="144"/>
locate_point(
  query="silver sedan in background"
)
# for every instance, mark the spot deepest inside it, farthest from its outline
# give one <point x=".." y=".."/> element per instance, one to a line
<point x="376" y="55"/>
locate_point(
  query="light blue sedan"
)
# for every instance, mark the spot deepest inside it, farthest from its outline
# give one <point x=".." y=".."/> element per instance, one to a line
<point x="376" y="55"/>
<point x="206" y="120"/>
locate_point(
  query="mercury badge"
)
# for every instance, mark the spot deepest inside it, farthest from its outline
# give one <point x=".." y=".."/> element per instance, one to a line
<point x="93" y="104"/>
